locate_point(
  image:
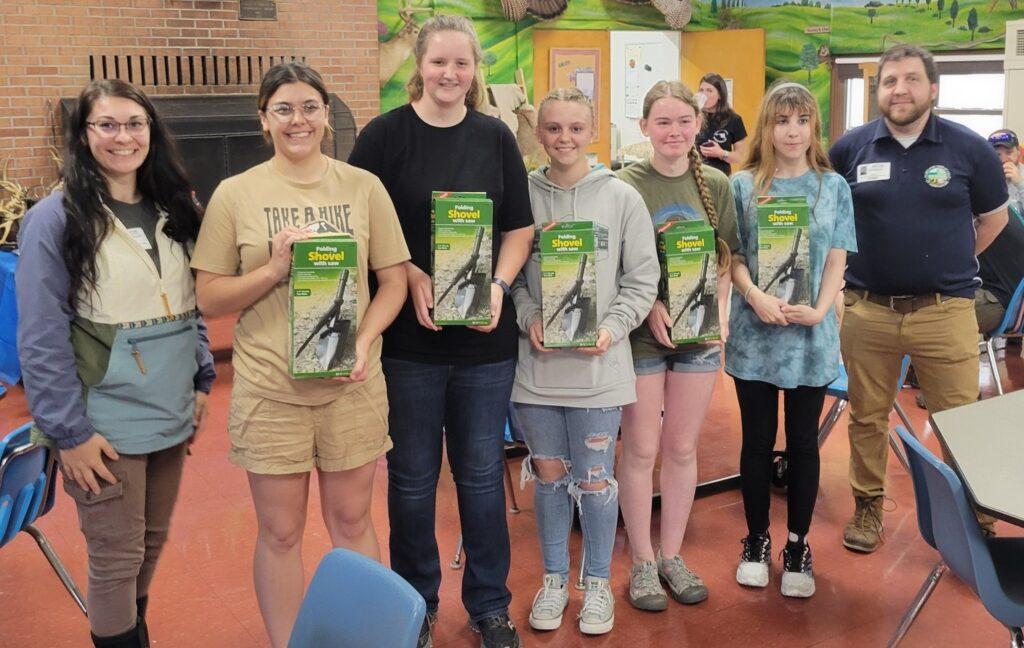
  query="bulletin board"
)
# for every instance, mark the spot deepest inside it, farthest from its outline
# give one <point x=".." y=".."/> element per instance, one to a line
<point x="580" y="69"/>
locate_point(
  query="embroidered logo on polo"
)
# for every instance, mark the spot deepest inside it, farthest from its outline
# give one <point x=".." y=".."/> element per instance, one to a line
<point x="937" y="176"/>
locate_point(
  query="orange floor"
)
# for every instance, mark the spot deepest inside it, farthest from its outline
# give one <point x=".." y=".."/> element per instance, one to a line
<point x="203" y="596"/>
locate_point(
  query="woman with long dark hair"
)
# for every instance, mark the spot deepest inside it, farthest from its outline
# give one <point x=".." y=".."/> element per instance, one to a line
<point x="116" y="361"/>
<point x="722" y="137"/>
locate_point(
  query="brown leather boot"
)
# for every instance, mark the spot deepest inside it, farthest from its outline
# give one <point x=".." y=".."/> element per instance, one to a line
<point x="864" y="531"/>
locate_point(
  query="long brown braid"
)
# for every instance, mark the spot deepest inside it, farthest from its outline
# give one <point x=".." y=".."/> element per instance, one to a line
<point x="724" y="256"/>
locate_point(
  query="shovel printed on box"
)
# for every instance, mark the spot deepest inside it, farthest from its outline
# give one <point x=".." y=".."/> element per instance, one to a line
<point x="332" y="329"/>
<point x="469" y="282"/>
<point x="695" y="307"/>
<point x="574" y="306"/>
<point x="790" y="277"/>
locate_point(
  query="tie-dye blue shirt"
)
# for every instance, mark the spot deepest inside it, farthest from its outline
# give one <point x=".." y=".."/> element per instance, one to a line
<point x="789" y="356"/>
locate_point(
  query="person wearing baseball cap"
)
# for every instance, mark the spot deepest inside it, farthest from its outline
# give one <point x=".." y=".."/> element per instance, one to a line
<point x="1007" y="147"/>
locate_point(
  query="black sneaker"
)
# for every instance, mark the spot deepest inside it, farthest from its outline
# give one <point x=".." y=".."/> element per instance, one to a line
<point x="797" y="576"/>
<point x="497" y="632"/>
<point x="755" y="560"/>
<point x="425" y="640"/>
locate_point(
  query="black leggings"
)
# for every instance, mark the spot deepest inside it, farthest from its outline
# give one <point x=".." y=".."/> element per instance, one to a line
<point x="759" y="413"/>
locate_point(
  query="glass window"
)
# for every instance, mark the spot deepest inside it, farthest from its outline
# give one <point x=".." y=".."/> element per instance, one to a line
<point x="981" y="123"/>
<point x="854" y="103"/>
<point x="971" y="91"/>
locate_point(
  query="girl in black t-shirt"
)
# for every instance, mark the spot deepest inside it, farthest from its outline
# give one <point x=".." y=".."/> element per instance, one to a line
<point x="450" y="384"/>
<point x="722" y="139"/>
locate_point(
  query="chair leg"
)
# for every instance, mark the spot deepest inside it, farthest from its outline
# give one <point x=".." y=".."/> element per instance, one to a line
<point x="915" y="606"/>
<point x="1016" y="638"/>
<point x="580" y="584"/>
<point x="57" y="565"/>
<point x="993" y="366"/>
<point x="456" y="562"/>
<point x="834" y="412"/>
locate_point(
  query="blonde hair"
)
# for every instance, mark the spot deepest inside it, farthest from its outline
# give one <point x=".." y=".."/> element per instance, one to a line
<point x="572" y="95"/>
<point x="676" y="90"/>
<point x="783" y="98"/>
<point x="476" y="97"/>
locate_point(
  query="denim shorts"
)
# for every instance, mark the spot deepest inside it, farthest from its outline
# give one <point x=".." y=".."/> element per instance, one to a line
<point x="696" y="358"/>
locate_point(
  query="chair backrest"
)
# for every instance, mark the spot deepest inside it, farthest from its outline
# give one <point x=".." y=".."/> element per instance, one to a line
<point x="955" y="528"/>
<point x="1013" y="320"/>
<point x="924" y="507"/>
<point x="24" y="473"/>
<point x="355" y="602"/>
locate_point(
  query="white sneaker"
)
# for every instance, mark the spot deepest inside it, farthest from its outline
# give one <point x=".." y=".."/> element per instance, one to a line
<point x="598" y="613"/>
<point x="549" y="604"/>
<point x="797" y="575"/>
<point x="755" y="561"/>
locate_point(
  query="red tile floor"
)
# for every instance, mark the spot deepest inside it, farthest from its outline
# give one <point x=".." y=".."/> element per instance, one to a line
<point x="203" y="596"/>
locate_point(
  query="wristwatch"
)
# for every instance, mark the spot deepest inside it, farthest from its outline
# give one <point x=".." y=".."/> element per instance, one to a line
<point x="504" y="286"/>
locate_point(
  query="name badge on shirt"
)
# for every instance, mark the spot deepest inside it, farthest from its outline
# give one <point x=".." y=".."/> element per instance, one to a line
<point x="873" y="172"/>
<point x="140" y="237"/>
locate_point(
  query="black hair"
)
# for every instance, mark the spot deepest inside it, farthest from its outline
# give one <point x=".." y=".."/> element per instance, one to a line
<point x="161" y="180"/>
<point x="723" y="107"/>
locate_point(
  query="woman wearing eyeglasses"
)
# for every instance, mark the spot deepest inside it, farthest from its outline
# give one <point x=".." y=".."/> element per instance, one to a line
<point x="282" y="428"/>
<point x="116" y="362"/>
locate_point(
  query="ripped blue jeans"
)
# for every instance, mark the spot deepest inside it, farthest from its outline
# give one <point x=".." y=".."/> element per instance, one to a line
<point x="584" y="440"/>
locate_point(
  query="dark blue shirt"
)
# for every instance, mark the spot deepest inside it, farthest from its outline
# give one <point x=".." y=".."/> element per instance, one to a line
<point x="914" y="207"/>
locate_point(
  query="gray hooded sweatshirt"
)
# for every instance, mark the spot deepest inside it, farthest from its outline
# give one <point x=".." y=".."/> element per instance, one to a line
<point x="627" y="283"/>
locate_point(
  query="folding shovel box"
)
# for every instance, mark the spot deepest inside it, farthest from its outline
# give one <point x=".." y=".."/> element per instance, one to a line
<point x="568" y="283"/>
<point x="324" y="300"/>
<point x="461" y="234"/>
<point x="783" y="248"/>
<point x="689" y="280"/>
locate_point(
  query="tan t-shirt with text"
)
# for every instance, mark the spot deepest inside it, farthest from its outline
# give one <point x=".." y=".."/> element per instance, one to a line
<point x="245" y="212"/>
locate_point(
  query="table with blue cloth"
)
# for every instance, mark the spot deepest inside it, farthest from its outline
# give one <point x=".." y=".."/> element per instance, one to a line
<point x="10" y="368"/>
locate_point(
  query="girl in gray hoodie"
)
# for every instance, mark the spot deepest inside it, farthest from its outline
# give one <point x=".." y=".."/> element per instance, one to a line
<point x="568" y="402"/>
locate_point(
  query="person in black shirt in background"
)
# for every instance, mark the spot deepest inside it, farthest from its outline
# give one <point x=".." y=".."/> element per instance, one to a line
<point x="722" y="139"/>
<point x="451" y="384"/>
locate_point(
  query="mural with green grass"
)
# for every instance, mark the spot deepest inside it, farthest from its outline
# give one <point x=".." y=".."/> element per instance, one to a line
<point x="800" y="34"/>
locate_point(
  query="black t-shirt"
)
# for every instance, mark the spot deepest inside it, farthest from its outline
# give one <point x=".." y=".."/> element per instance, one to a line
<point x="1002" y="262"/>
<point x="724" y="129"/>
<point x="141" y="216"/>
<point x="413" y="159"/>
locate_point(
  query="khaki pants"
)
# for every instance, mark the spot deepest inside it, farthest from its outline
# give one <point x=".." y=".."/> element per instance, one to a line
<point x="943" y="342"/>
<point x="125" y="528"/>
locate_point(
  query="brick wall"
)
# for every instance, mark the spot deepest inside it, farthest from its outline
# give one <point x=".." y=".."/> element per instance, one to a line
<point x="45" y="49"/>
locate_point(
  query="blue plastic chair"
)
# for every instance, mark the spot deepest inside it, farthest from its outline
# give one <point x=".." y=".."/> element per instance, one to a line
<point x="1011" y="326"/>
<point x="992" y="567"/>
<point x="839" y="390"/>
<point x="355" y="602"/>
<point x="27" y="490"/>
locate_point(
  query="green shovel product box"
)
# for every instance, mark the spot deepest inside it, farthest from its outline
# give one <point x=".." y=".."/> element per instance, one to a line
<point x="568" y="281"/>
<point x="324" y="300"/>
<point x="461" y="235"/>
<point x="689" y="280"/>
<point x="783" y="248"/>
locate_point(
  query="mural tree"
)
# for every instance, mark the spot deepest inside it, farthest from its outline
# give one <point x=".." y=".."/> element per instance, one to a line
<point x="972" y="21"/>
<point x="809" y="59"/>
<point x="871" y="14"/>
<point x="940" y="5"/>
<point x="954" y="9"/>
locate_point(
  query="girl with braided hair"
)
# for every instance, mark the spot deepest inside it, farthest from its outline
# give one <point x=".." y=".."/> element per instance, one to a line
<point x="781" y="347"/>
<point x="674" y="380"/>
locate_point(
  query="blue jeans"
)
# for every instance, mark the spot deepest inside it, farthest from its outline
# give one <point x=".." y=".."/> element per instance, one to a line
<point x="466" y="407"/>
<point x="584" y="440"/>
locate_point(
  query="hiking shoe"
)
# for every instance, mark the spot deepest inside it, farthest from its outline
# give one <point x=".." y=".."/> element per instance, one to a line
<point x="598" y="613"/>
<point x="497" y="631"/>
<point x="425" y="640"/>
<point x="864" y="531"/>
<point x="645" y="592"/>
<point x="797" y="577"/>
<point x="683" y="585"/>
<point x="549" y="603"/>
<point x="755" y="560"/>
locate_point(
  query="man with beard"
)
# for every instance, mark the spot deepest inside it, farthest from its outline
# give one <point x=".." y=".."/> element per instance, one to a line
<point x="928" y="196"/>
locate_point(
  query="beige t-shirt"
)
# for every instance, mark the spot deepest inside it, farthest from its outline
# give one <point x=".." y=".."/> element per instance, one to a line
<point x="245" y="212"/>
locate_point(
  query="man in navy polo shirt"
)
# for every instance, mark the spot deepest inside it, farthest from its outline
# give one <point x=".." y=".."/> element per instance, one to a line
<point x="928" y="196"/>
